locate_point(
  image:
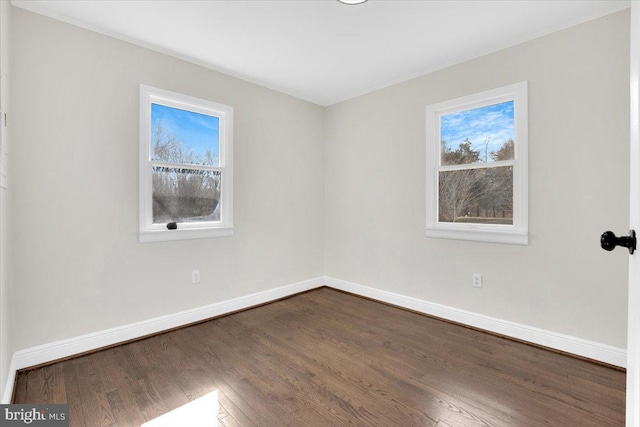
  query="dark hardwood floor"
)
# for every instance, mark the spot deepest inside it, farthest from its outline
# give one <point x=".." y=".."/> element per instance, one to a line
<point x="326" y="358"/>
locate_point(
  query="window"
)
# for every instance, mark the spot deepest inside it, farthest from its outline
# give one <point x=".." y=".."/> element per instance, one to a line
<point x="186" y="175"/>
<point x="477" y="167"/>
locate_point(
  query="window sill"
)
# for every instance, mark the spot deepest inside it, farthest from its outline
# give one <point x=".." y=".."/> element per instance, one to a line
<point x="489" y="236"/>
<point x="184" y="234"/>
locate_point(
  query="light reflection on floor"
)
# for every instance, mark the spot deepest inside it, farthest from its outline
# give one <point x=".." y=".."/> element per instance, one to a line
<point x="202" y="412"/>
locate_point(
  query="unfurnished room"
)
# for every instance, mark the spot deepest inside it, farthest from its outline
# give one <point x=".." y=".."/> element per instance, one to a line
<point x="319" y="213"/>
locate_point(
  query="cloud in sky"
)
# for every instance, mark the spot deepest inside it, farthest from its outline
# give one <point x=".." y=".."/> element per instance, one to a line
<point x="494" y="122"/>
<point x="199" y="132"/>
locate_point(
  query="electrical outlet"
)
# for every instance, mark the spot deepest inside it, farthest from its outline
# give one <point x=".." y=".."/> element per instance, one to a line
<point x="195" y="276"/>
<point x="477" y="280"/>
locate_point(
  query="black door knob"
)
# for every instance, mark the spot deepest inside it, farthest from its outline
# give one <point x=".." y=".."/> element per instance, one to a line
<point x="609" y="241"/>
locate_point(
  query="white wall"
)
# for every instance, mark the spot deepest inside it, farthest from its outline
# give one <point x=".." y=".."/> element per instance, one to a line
<point x="6" y="284"/>
<point x="578" y="144"/>
<point x="336" y="191"/>
<point x="78" y="264"/>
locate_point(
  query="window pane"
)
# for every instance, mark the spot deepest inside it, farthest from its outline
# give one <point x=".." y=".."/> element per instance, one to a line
<point x="483" y="196"/>
<point x="185" y="195"/>
<point x="180" y="136"/>
<point x="480" y="135"/>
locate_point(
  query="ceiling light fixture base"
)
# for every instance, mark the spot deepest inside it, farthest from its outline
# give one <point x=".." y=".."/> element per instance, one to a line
<point x="352" y="2"/>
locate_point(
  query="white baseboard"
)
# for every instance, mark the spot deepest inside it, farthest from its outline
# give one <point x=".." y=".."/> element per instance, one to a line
<point x="11" y="379"/>
<point x="60" y="349"/>
<point x="71" y="346"/>
<point x="578" y="346"/>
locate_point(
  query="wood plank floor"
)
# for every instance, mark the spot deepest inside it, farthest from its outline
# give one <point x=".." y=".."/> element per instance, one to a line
<point x="325" y="358"/>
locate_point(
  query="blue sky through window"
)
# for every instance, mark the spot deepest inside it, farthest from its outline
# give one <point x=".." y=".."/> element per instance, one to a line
<point x="494" y="122"/>
<point x="198" y="132"/>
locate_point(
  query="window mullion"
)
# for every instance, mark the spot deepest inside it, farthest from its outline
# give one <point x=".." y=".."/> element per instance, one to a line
<point x="501" y="163"/>
<point x="184" y="166"/>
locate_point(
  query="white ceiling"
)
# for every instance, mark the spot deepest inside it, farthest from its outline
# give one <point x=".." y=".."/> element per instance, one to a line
<point x="321" y="50"/>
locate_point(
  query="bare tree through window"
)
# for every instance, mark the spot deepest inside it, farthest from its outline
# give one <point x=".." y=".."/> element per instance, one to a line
<point x="185" y="184"/>
<point x="473" y="186"/>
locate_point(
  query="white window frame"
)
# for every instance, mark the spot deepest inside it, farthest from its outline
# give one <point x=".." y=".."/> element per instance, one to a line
<point x="150" y="232"/>
<point x="516" y="233"/>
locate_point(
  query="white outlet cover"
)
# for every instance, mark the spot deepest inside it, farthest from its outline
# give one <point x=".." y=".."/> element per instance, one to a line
<point x="477" y="280"/>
